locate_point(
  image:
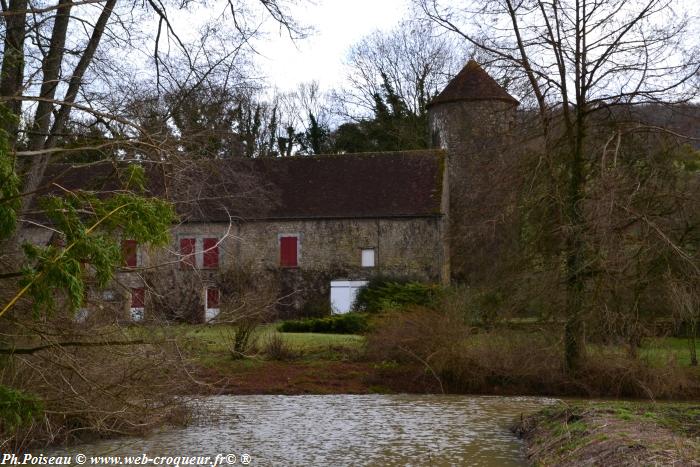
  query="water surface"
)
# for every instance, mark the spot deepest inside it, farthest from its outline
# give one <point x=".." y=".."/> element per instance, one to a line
<point x="344" y="430"/>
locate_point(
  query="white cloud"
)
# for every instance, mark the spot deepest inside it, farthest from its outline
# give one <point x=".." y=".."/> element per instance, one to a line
<point x="338" y="24"/>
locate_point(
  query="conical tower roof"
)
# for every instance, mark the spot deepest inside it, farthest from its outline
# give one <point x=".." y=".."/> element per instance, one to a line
<point x="473" y="84"/>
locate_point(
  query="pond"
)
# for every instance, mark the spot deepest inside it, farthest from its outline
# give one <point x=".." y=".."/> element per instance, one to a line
<point x="340" y="430"/>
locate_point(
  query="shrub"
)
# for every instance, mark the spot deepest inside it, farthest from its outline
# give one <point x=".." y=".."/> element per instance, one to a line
<point x="242" y="338"/>
<point x="440" y="347"/>
<point x="277" y="348"/>
<point x="481" y="307"/>
<point x="17" y="408"/>
<point x="382" y="294"/>
<point x="350" y="323"/>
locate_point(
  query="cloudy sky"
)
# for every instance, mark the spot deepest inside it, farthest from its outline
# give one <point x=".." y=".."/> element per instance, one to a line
<point x="338" y="24"/>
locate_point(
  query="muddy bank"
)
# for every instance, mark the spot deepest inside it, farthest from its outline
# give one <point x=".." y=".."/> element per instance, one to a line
<point x="246" y="377"/>
<point x="614" y="433"/>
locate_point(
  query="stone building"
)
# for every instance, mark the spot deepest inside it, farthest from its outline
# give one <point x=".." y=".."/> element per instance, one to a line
<point x="472" y="120"/>
<point x="294" y="226"/>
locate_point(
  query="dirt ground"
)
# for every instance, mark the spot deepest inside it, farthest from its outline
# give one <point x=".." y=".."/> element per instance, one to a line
<point x="308" y="377"/>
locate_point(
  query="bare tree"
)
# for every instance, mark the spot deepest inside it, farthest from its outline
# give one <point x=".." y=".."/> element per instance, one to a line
<point x="66" y="57"/>
<point x="577" y="59"/>
<point x="414" y="59"/>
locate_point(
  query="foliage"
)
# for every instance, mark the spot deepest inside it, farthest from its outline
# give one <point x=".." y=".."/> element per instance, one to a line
<point x="90" y="227"/>
<point x="482" y="307"/>
<point x="382" y="294"/>
<point x="394" y="126"/>
<point x="349" y="323"/>
<point x="17" y="408"/>
<point x="316" y="138"/>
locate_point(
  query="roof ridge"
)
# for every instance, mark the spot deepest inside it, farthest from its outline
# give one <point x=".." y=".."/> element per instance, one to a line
<point x="473" y="83"/>
<point x="408" y="152"/>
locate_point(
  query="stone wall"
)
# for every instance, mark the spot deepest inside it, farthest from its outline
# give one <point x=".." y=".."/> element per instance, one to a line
<point x="476" y="137"/>
<point x="328" y="249"/>
<point x="249" y="261"/>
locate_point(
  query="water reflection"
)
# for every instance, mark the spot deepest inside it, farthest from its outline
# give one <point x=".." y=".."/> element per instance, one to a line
<point x="340" y="430"/>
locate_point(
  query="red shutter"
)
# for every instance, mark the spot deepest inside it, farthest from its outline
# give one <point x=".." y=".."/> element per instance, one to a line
<point x="129" y="248"/>
<point x="212" y="297"/>
<point x="138" y="297"/>
<point x="211" y="253"/>
<point x="288" y="252"/>
<point x="189" y="260"/>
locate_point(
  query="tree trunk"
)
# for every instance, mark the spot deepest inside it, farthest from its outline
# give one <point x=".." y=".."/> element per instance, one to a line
<point x="692" y="335"/>
<point x="37" y="167"/>
<point x="574" y="344"/>
<point x="12" y="72"/>
<point x="51" y="69"/>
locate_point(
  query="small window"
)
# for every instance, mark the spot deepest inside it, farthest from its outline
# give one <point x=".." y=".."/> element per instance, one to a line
<point x="211" y="253"/>
<point x="81" y="315"/>
<point x="138" y="302"/>
<point x="130" y="253"/>
<point x="289" y="252"/>
<point x="367" y="257"/>
<point x="187" y="251"/>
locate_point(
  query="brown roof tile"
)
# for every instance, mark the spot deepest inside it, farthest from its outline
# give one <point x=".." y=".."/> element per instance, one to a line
<point x="390" y="184"/>
<point x="386" y="184"/>
<point x="473" y="84"/>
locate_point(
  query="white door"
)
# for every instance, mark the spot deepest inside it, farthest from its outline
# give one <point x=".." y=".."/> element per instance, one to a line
<point x="343" y="294"/>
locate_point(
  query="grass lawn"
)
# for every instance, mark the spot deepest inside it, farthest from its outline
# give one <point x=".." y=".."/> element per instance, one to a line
<point x="660" y="350"/>
<point x="216" y="339"/>
<point x="336" y="363"/>
<point x="201" y="340"/>
<point x="657" y="351"/>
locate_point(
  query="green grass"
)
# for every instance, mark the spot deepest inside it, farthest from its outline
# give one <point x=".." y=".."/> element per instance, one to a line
<point x="659" y="350"/>
<point x="204" y="340"/>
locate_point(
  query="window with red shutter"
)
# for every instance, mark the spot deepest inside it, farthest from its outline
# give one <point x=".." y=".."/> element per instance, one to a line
<point x="129" y="252"/>
<point x="138" y="297"/>
<point x="188" y="260"/>
<point x="212" y="297"/>
<point x="138" y="302"/>
<point x="211" y="308"/>
<point x="211" y="253"/>
<point x="288" y="252"/>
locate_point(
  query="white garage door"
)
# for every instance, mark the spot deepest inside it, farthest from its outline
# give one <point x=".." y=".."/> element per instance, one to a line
<point x="343" y="295"/>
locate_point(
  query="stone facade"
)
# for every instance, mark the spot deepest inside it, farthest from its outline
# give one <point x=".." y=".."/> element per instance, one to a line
<point x="472" y="121"/>
<point x="328" y="249"/>
<point x="412" y="212"/>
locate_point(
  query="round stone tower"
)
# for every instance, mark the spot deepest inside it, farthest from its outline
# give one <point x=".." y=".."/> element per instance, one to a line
<point x="471" y="119"/>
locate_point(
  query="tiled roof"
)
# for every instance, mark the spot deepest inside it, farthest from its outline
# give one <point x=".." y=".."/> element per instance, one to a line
<point x="375" y="185"/>
<point x="473" y="84"/>
<point x="356" y="185"/>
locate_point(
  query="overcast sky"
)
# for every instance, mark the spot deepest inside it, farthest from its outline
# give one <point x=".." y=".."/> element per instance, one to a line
<point x="338" y="24"/>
